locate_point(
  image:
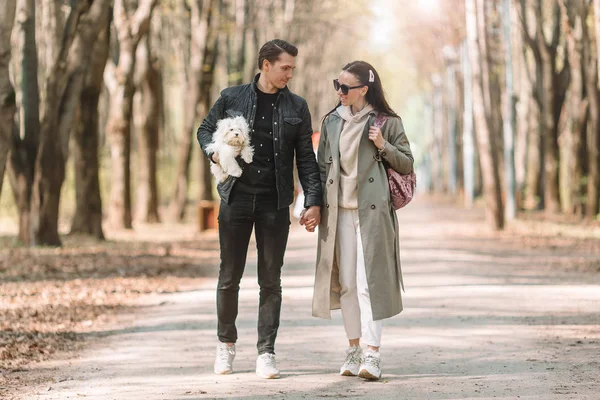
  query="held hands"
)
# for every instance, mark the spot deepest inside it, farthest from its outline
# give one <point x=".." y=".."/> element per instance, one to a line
<point x="311" y="218"/>
<point x="376" y="137"/>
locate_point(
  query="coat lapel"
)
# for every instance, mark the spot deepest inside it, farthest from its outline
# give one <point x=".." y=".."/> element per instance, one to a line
<point x="334" y="129"/>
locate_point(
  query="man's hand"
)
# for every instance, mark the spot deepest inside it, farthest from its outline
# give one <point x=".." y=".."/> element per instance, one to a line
<point x="215" y="157"/>
<point x="311" y="218"/>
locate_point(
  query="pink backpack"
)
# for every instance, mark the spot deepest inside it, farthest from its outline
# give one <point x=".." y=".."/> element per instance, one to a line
<point x="402" y="187"/>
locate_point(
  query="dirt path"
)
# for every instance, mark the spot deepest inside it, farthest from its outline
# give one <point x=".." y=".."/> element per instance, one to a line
<point x="482" y="320"/>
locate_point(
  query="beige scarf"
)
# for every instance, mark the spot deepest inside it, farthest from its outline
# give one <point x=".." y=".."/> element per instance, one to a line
<point x="352" y="130"/>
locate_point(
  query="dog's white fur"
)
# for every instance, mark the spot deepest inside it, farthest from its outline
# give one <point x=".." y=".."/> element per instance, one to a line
<point x="232" y="138"/>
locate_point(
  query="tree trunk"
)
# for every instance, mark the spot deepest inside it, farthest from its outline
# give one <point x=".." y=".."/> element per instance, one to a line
<point x="148" y="111"/>
<point x="130" y="29"/>
<point x="574" y="18"/>
<point x="237" y="43"/>
<point x="25" y="145"/>
<point x="549" y="139"/>
<point x="118" y="132"/>
<point x="552" y="100"/>
<point x="597" y="32"/>
<point x="467" y="133"/>
<point x="202" y="18"/>
<point x="508" y="117"/>
<point x="451" y="119"/>
<point x="88" y="213"/>
<point x="490" y="171"/>
<point x="438" y="132"/>
<point x="593" y="152"/>
<point x="534" y="150"/>
<point x="250" y="65"/>
<point x="189" y="90"/>
<point x="592" y="79"/>
<point x="63" y="93"/>
<point x="49" y="171"/>
<point x="523" y="128"/>
<point x="50" y="21"/>
<point x="7" y="92"/>
<point x="206" y="86"/>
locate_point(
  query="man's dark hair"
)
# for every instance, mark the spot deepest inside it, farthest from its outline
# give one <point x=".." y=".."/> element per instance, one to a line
<point x="272" y="49"/>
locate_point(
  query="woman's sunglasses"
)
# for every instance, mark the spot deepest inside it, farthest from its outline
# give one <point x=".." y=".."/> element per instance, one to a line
<point x="345" y="88"/>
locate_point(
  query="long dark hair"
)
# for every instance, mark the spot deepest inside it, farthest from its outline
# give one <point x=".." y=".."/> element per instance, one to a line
<point x="375" y="95"/>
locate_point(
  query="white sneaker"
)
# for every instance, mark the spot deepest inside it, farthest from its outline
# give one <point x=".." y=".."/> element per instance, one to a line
<point x="370" y="368"/>
<point x="266" y="366"/>
<point x="354" y="356"/>
<point x="224" y="359"/>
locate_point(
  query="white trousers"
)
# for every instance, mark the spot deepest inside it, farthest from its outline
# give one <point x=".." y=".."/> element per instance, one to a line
<point x="355" y="299"/>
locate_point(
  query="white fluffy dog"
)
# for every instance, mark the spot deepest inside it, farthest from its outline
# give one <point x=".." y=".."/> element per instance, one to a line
<point x="230" y="140"/>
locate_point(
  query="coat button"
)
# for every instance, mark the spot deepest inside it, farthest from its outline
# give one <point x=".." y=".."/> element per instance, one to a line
<point x="383" y="154"/>
<point x="330" y="158"/>
<point x="327" y="205"/>
<point x="371" y="179"/>
<point x="331" y="181"/>
<point x="372" y="206"/>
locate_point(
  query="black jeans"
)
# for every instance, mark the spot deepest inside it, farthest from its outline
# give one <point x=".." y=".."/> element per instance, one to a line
<point x="272" y="227"/>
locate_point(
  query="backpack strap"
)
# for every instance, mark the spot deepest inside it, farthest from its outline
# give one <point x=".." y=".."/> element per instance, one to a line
<point x="380" y="120"/>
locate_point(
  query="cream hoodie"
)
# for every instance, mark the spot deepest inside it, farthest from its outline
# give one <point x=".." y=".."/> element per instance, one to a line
<point x="352" y="130"/>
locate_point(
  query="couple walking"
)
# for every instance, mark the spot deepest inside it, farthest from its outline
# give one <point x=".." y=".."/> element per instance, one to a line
<point x="346" y="195"/>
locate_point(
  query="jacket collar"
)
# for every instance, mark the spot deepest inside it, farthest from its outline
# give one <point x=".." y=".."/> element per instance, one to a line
<point x="255" y="86"/>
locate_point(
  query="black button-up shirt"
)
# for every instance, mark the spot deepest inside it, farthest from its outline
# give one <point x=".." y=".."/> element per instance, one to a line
<point x="259" y="176"/>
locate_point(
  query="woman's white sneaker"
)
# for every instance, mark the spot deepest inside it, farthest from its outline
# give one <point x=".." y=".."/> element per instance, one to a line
<point x="370" y="368"/>
<point x="266" y="366"/>
<point x="352" y="362"/>
<point x="224" y="359"/>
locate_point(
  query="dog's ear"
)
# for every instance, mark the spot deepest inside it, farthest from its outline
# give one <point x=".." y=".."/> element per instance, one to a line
<point x="221" y="128"/>
<point x="221" y="123"/>
<point x="242" y="122"/>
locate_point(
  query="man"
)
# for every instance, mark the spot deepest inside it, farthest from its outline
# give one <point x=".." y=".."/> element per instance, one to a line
<point x="280" y="125"/>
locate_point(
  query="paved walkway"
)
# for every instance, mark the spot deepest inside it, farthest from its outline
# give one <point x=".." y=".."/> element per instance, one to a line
<point x="480" y="322"/>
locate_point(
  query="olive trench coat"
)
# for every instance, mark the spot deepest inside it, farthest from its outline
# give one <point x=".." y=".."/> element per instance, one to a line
<point x="377" y="218"/>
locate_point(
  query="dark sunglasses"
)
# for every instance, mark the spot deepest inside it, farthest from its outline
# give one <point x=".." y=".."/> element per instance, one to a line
<point x="345" y="88"/>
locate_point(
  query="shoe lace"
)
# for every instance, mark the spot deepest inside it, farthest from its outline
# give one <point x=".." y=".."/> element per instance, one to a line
<point x="372" y="360"/>
<point x="269" y="360"/>
<point x="224" y="354"/>
<point x="354" y="356"/>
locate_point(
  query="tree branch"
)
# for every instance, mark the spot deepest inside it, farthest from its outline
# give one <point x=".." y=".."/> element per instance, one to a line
<point x="110" y="76"/>
<point x="556" y="27"/>
<point x="141" y="20"/>
<point x="523" y="17"/>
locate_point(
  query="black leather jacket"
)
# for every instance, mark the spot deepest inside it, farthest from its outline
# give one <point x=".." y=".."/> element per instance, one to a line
<point x="292" y="131"/>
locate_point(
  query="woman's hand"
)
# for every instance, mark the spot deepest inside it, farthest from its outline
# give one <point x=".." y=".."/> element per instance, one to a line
<point x="376" y="137"/>
<point x="311" y="218"/>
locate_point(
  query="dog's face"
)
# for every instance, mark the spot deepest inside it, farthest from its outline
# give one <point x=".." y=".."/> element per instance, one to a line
<point x="233" y="131"/>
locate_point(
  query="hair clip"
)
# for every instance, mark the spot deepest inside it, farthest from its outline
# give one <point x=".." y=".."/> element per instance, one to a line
<point x="371" y="76"/>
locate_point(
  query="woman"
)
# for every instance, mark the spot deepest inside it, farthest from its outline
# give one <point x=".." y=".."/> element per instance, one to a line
<point x="358" y="263"/>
